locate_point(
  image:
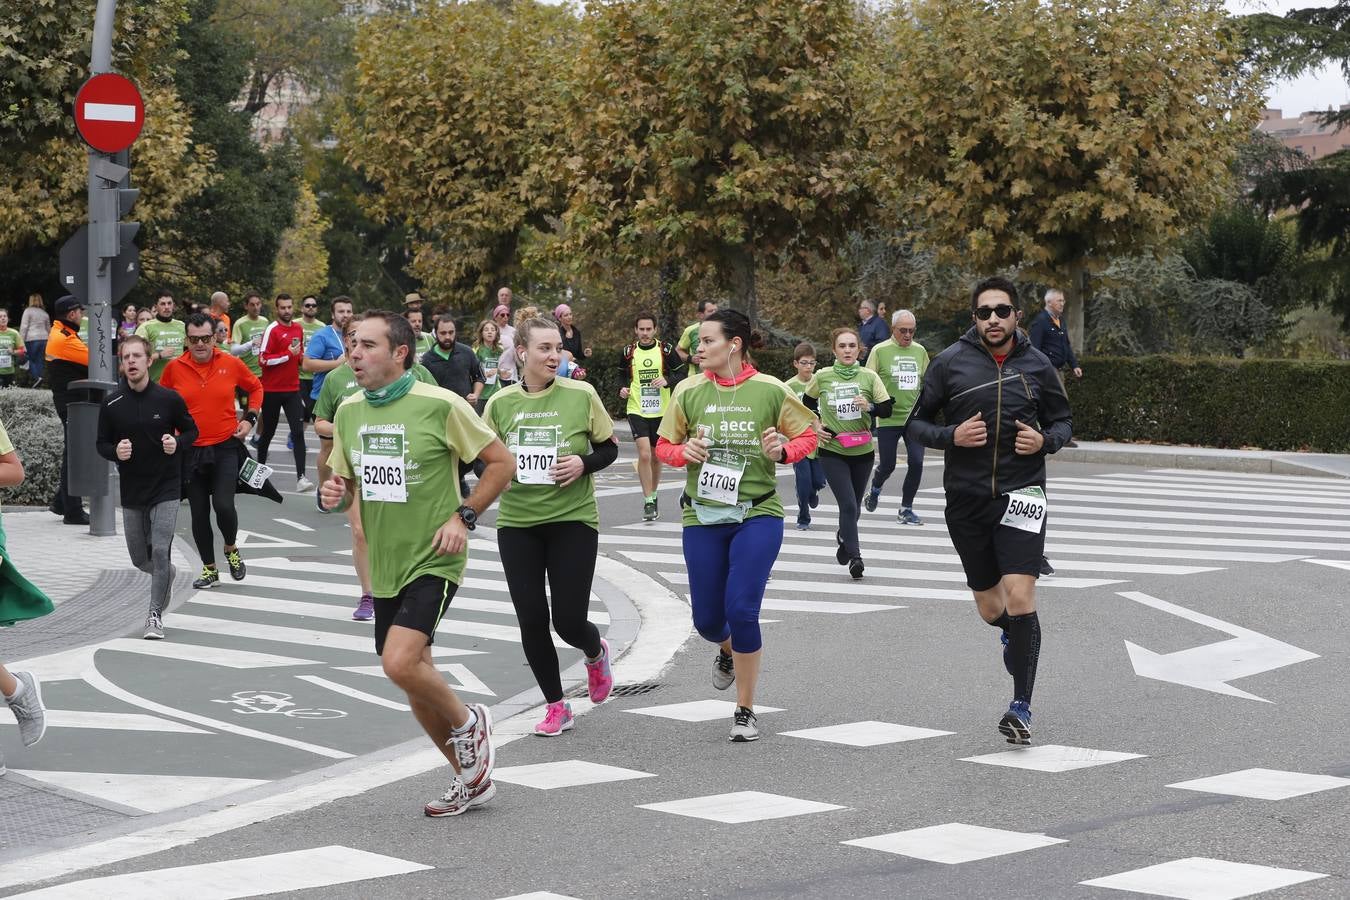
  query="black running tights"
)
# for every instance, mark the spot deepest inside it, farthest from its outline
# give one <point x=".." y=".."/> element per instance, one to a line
<point x="564" y="553"/>
<point x="847" y="477"/>
<point x="212" y="485"/>
<point x="274" y="404"/>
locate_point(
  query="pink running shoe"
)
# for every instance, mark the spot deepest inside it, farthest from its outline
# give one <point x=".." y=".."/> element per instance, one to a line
<point x="365" y="610"/>
<point x="599" y="678"/>
<point x="557" y="719"/>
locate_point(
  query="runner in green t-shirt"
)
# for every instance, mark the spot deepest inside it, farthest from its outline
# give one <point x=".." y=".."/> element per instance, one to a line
<point x="548" y="524"/>
<point x="249" y="328"/>
<point x="848" y="399"/>
<point x="687" y="345"/>
<point x="167" y="335"/>
<point x="11" y="350"/>
<point x="901" y="362"/>
<point x="310" y="324"/>
<point x="809" y="474"/>
<point x="728" y="426"/>
<point x="487" y="346"/>
<point x="397" y="447"/>
<point x="338" y="385"/>
<point x="424" y="341"/>
<point x="647" y="368"/>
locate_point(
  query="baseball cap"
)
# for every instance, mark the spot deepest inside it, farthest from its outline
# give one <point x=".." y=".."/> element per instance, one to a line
<point x="66" y="304"/>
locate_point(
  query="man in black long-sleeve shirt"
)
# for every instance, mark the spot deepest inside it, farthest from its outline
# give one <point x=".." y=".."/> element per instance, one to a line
<point x="147" y="430"/>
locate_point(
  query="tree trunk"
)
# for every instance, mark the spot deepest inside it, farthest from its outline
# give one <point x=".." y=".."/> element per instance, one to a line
<point x="1075" y="304"/>
<point x="668" y="313"/>
<point x="741" y="269"/>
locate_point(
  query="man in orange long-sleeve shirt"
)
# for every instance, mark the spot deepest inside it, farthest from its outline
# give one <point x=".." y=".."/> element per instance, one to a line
<point x="67" y="360"/>
<point x="207" y="379"/>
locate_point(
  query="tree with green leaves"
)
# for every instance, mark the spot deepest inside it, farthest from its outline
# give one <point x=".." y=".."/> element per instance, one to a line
<point x="1053" y="135"/>
<point x="451" y="110"/>
<point x="719" y="135"/>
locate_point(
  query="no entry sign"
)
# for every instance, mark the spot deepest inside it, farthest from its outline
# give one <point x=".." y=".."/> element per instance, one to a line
<point x="109" y="112"/>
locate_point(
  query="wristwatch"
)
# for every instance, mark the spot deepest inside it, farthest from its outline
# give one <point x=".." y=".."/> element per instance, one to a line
<point x="468" y="516"/>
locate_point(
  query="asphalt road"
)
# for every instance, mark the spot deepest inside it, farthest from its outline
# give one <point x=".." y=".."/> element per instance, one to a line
<point x="1226" y="589"/>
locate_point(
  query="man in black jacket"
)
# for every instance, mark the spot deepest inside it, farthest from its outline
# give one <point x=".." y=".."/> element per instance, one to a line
<point x="146" y="430"/>
<point x="454" y="365"/>
<point x="1004" y="409"/>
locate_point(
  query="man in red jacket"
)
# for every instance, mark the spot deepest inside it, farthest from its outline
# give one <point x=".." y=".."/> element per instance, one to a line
<point x="283" y="345"/>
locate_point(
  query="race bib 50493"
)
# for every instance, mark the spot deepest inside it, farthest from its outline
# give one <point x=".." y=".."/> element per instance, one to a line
<point x="1026" y="510"/>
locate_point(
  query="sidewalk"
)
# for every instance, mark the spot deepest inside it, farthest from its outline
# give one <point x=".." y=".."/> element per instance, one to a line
<point x="97" y="593"/>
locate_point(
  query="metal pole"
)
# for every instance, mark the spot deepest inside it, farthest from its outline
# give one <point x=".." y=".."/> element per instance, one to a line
<point x="102" y="365"/>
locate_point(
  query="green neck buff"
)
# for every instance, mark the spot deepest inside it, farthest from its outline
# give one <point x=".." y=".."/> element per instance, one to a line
<point x="845" y="372"/>
<point x="391" y="391"/>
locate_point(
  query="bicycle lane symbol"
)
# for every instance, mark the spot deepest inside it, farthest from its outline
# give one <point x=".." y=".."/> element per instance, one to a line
<point x="250" y="703"/>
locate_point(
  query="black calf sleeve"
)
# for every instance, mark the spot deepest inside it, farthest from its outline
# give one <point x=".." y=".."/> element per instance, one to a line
<point x="1024" y="645"/>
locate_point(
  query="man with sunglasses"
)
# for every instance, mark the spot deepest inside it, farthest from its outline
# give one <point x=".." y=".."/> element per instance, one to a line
<point x="900" y="361"/>
<point x="310" y="324"/>
<point x="208" y="378"/>
<point x="1004" y="410"/>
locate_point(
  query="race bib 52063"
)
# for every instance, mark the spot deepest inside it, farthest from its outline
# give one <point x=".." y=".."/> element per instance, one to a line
<point x="384" y="464"/>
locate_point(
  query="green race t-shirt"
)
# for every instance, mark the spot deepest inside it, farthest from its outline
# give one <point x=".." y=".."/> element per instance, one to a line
<point x="798" y="387"/>
<point x="564" y="419"/>
<point x="901" y="370"/>
<point x="167" y="339"/>
<point x="490" y="359"/>
<point x="733" y="418"/>
<point x="405" y="458"/>
<point x="341" y="384"/>
<point x="424" y="343"/>
<point x="250" y="330"/>
<point x="686" y="343"/>
<point x="9" y="350"/>
<point x="838" y="409"/>
<point x="310" y="331"/>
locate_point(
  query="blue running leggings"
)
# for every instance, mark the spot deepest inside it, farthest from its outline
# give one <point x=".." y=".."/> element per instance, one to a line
<point x="888" y="437"/>
<point x="810" y="480"/>
<point x="729" y="566"/>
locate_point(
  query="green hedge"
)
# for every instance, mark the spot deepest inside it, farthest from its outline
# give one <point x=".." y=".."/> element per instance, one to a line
<point x="1270" y="404"/>
<point x="31" y="422"/>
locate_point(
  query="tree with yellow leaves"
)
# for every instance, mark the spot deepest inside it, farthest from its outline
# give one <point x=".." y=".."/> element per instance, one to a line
<point x="1054" y="135"/>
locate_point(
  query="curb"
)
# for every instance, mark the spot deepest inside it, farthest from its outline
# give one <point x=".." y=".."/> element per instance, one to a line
<point x="1243" y="461"/>
<point x="645" y="612"/>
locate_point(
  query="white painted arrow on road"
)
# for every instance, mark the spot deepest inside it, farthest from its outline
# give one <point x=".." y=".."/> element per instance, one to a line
<point x="1211" y="666"/>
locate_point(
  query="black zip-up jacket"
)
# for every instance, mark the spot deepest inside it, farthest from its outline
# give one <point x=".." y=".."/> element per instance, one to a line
<point x="150" y="476"/>
<point x="965" y="379"/>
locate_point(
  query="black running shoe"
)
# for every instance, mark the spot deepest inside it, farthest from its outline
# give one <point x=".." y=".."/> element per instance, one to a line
<point x="841" y="553"/>
<point x="207" y="580"/>
<point x="870" y="500"/>
<point x="236" y="563"/>
<point x="855" y="567"/>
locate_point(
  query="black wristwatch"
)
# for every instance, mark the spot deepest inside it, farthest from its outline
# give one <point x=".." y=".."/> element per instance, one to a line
<point x="468" y="516"/>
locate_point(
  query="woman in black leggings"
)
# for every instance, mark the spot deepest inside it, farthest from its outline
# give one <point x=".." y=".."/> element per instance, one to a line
<point x="548" y="523"/>
<point x="211" y="483"/>
<point x="848" y="399"/>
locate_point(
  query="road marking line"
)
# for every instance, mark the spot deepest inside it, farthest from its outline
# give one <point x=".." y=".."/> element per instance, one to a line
<point x="467" y="681"/>
<point x="298" y="526"/>
<point x="107" y="721"/>
<point x="354" y="693"/>
<point x="233" y="878"/>
<point x="283" y="635"/>
<point x="200" y="653"/>
<point x="147" y="793"/>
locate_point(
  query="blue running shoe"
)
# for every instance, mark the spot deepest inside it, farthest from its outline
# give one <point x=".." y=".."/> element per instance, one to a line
<point x="1007" y="657"/>
<point x="803" y="526"/>
<point x="290" y="442"/>
<point x="1016" y="723"/>
<point x="906" y="517"/>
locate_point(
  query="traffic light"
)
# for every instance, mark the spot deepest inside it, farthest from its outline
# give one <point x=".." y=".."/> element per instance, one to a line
<point x="110" y="235"/>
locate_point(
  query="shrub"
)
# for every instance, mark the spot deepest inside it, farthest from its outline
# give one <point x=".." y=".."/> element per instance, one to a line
<point x="1271" y="404"/>
<point x="30" y="419"/>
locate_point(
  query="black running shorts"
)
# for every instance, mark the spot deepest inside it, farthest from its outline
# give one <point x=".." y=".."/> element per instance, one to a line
<point x="419" y="606"/>
<point x="987" y="549"/>
<point x="644" y="427"/>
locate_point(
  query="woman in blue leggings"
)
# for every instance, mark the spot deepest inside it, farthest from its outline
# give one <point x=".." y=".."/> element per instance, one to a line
<point x="730" y="427"/>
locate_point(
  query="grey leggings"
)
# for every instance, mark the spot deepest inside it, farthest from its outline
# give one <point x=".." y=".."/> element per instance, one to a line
<point x="149" y="532"/>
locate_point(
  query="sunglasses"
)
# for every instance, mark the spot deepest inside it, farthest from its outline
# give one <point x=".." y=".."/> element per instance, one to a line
<point x="1003" y="311"/>
<point x="309" y="306"/>
<point x="905" y="330"/>
<point x="200" y="338"/>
